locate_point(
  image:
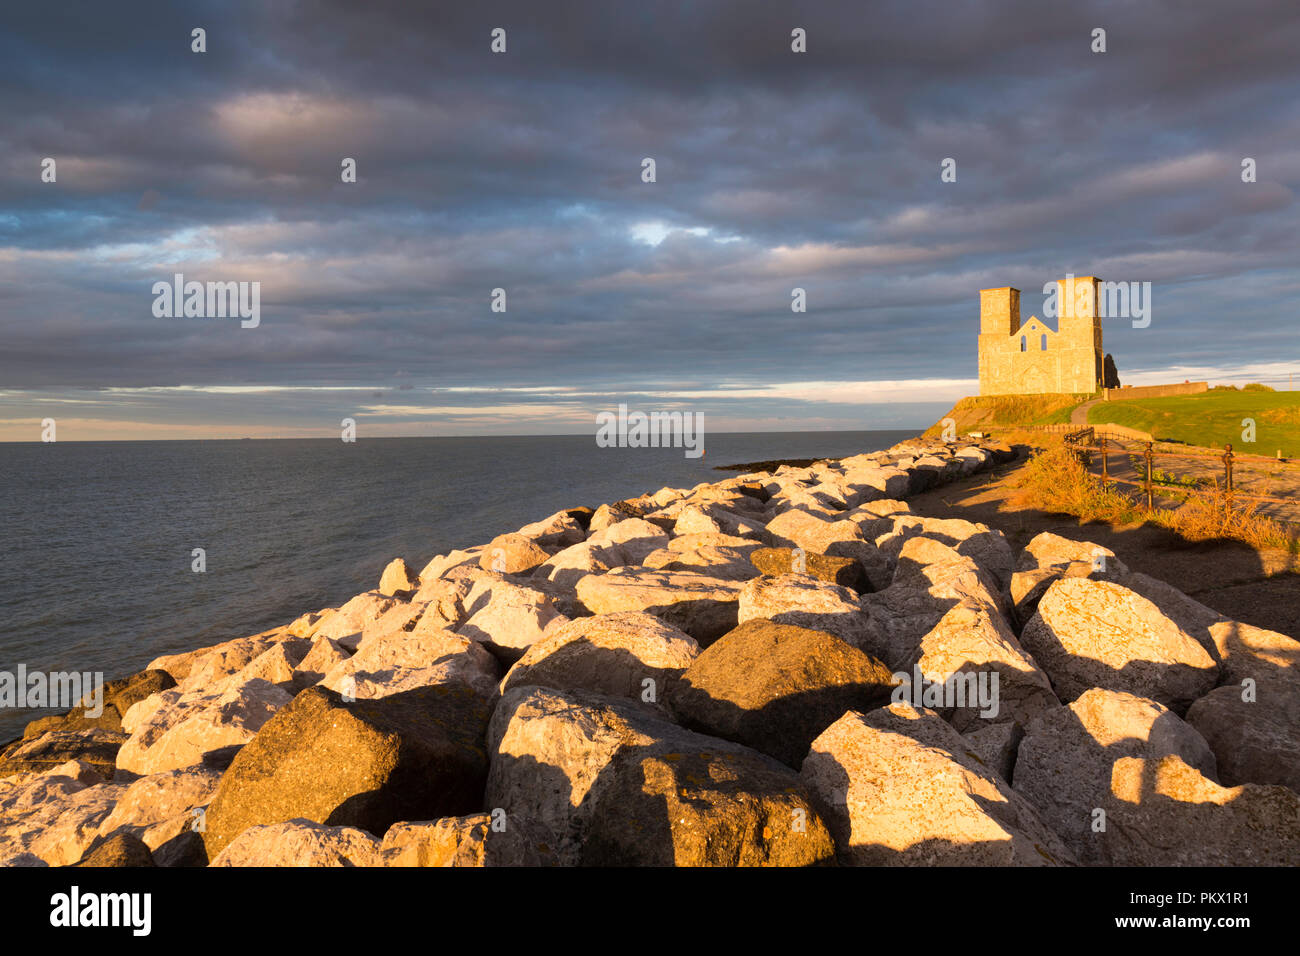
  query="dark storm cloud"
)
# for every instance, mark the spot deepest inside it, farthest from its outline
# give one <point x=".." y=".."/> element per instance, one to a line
<point x="521" y="171"/>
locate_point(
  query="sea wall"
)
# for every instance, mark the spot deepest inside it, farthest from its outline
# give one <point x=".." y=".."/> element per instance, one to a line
<point x="777" y="668"/>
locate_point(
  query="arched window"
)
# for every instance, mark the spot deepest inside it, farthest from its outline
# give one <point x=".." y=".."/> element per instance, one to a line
<point x="1043" y="346"/>
<point x="1022" y="344"/>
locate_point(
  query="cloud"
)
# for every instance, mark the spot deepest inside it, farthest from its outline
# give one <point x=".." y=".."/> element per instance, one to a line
<point x="522" y="172"/>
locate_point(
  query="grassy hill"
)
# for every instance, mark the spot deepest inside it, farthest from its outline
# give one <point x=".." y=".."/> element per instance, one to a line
<point x="978" y="412"/>
<point x="1213" y="419"/>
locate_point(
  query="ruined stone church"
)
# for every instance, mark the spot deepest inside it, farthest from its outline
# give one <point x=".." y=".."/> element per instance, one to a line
<point x="1017" y="359"/>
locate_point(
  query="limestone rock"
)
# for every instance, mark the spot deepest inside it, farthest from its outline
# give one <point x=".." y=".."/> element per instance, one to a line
<point x="729" y="563"/>
<point x="1166" y="813"/>
<point x="693" y="801"/>
<point x="986" y="547"/>
<point x="579" y="560"/>
<point x="439" y="566"/>
<point x="904" y="789"/>
<point x="186" y="728"/>
<point x="122" y="849"/>
<point x="54" y="816"/>
<point x="548" y="748"/>
<point x="560" y="530"/>
<point x="95" y="746"/>
<point x="1050" y="557"/>
<point x="775" y="687"/>
<point x="370" y="763"/>
<point x="973" y="641"/>
<point x="513" y="554"/>
<point x="1096" y="634"/>
<point x="301" y="843"/>
<point x="324" y="655"/>
<point x="612" y="654"/>
<point x="471" y="841"/>
<point x="803" y="601"/>
<point x="930" y="580"/>
<point x="507" y="618"/>
<point x="1064" y="763"/>
<point x="846" y="572"/>
<point x="599" y="780"/>
<point x="1256" y="741"/>
<point x="635" y="537"/>
<point x="704" y="607"/>
<point x="1249" y="651"/>
<point x="398" y="578"/>
<point x="402" y="661"/>
<point x="161" y="797"/>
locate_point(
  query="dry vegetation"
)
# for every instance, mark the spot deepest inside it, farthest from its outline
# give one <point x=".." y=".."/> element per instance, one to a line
<point x="1054" y="480"/>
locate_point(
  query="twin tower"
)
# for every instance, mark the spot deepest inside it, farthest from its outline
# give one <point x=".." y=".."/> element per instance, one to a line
<point x="1024" y="359"/>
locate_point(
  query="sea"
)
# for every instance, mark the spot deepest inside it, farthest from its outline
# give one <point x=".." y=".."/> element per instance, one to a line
<point x="98" y="539"/>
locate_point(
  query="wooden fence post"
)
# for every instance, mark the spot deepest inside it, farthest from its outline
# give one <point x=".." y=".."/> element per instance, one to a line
<point x="1105" y="468"/>
<point x="1148" y="456"/>
<point x="1227" y="469"/>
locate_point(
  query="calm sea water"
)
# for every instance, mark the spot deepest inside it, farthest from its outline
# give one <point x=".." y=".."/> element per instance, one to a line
<point x="95" y="566"/>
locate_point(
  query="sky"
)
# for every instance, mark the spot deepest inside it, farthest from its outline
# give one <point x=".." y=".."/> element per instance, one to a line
<point x="523" y="171"/>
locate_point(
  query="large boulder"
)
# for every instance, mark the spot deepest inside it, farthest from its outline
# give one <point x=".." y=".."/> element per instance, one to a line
<point x="475" y="840"/>
<point x="972" y="644"/>
<point x="846" y="572"/>
<point x="560" y="530"/>
<point x="635" y="537"/>
<point x="368" y="764"/>
<point x="613" y="654"/>
<point x="1064" y="763"/>
<point x="579" y="560"/>
<point x="903" y="789"/>
<point x="150" y="802"/>
<point x="1162" y="812"/>
<point x="1246" y="651"/>
<point x="692" y="801"/>
<point x="1097" y="634"/>
<point x="513" y="554"/>
<point x="119" y="850"/>
<point x="402" y="661"/>
<point x="1255" y="736"/>
<point x="1049" y="557"/>
<point x="172" y="730"/>
<point x="506" y="617"/>
<point x="775" y="687"/>
<point x="797" y="528"/>
<point x="704" y="607"/>
<point x="719" y="562"/>
<point x="804" y="601"/>
<point x="398" y="578"/>
<point x="987" y="548"/>
<point x="54" y="816"/>
<point x="38" y="754"/>
<point x="931" y="578"/>
<point x="301" y="843"/>
<point x="604" y="781"/>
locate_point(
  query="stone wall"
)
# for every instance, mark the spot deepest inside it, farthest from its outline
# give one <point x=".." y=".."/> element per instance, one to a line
<point x="1154" y="391"/>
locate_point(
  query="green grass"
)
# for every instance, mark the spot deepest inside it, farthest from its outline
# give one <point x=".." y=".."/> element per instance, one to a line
<point x="976" y="412"/>
<point x="1213" y="419"/>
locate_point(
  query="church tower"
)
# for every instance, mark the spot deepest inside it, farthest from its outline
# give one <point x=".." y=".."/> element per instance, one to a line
<point x="1018" y="358"/>
<point x="1079" y="333"/>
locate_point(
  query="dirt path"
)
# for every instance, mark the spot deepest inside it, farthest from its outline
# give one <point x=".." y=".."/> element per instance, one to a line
<point x="1257" y="587"/>
<point x="1079" y="416"/>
